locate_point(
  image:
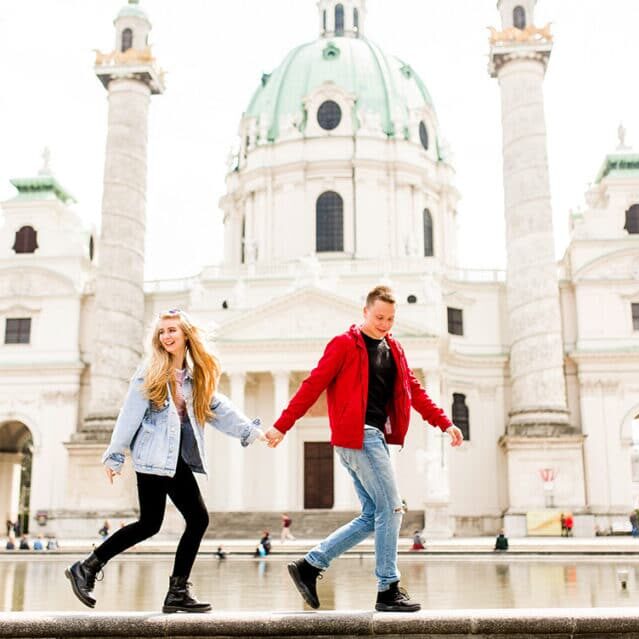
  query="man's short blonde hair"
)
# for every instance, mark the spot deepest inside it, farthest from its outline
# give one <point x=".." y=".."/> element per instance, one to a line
<point x="382" y="293"/>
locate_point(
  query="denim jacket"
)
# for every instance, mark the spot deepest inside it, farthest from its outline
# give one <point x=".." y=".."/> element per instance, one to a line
<point x="153" y="434"/>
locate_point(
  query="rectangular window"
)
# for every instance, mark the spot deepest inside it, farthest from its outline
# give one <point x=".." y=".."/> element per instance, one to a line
<point x="455" y="321"/>
<point x="17" y="331"/>
<point x="635" y="317"/>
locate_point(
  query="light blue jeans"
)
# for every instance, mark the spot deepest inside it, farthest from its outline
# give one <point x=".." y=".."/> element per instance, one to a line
<point x="372" y="473"/>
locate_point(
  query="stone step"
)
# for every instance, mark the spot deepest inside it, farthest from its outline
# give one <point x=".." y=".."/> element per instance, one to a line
<point x="576" y="623"/>
<point x="306" y="524"/>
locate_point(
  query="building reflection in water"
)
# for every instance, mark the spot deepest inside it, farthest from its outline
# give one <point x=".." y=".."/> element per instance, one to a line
<point x="139" y="582"/>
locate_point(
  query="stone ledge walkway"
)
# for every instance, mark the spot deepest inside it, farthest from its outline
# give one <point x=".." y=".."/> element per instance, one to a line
<point x="458" y="545"/>
<point x="599" y="623"/>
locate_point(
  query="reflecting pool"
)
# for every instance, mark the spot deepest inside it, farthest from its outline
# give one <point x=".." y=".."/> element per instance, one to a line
<point x="139" y="582"/>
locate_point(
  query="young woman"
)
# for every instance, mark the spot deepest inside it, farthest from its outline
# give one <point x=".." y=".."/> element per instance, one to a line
<point x="162" y="422"/>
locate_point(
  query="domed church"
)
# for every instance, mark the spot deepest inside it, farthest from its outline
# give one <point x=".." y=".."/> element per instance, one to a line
<point x="340" y="182"/>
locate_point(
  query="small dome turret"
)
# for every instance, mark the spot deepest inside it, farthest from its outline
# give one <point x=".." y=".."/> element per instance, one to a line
<point x="341" y="17"/>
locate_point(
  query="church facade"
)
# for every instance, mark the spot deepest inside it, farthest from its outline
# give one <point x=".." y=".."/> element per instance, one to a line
<point x="340" y="182"/>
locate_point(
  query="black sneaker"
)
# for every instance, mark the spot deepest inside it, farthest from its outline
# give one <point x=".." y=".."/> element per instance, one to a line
<point x="396" y="599"/>
<point x="304" y="577"/>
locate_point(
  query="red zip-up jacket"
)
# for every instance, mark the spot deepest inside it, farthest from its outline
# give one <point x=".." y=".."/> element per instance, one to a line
<point x="343" y="372"/>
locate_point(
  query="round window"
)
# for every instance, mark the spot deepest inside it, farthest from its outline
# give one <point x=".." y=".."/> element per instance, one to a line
<point x="412" y="299"/>
<point x="423" y="135"/>
<point x="329" y="115"/>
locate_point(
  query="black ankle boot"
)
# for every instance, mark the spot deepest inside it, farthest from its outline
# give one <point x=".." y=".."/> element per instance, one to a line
<point x="396" y="599"/>
<point x="82" y="575"/>
<point x="181" y="599"/>
<point x="305" y="577"/>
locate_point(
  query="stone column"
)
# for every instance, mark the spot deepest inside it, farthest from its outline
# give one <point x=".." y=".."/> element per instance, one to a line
<point x="538" y="401"/>
<point x="283" y="453"/>
<point x="235" y="450"/>
<point x="538" y="425"/>
<point x="119" y="295"/>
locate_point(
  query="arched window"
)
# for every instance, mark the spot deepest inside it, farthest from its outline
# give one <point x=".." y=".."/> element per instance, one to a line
<point x="460" y="415"/>
<point x="339" y="20"/>
<point x="127" y="40"/>
<point x="632" y="219"/>
<point x="423" y="135"/>
<point x="26" y="240"/>
<point x="356" y="19"/>
<point x="91" y="248"/>
<point x="329" y="222"/>
<point x="519" y="17"/>
<point x="428" y="234"/>
<point x="324" y="20"/>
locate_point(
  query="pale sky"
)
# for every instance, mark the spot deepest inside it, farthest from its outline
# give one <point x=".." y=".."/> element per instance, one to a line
<point x="215" y="52"/>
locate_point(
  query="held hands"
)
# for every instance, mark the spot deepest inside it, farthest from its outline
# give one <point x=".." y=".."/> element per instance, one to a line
<point x="456" y="435"/>
<point x="273" y="437"/>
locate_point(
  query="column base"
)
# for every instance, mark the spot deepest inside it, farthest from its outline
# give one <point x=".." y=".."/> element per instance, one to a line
<point x="437" y="521"/>
<point x="97" y="428"/>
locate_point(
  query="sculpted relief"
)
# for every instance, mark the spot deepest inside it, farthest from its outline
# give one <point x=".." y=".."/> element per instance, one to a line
<point x="34" y="283"/>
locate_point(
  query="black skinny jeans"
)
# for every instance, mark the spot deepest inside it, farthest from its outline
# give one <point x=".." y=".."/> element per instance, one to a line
<point x="152" y="492"/>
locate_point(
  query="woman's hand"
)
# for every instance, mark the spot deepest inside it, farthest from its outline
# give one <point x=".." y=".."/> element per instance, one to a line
<point x="274" y="437"/>
<point x="110" y="473"/>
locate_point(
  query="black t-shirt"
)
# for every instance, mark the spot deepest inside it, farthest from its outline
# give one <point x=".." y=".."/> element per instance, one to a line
<point x="381" y="379"/>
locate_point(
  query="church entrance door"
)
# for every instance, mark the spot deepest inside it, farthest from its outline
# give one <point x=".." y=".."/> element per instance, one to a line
<point x="318" y="475"/>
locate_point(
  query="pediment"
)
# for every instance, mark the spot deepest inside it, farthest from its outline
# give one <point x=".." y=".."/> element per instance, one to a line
<point x="620" y="265"/>
<point x="308" y="313"/>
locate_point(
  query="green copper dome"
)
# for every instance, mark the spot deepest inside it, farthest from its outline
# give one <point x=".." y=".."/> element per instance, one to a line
<point x="132" y="9"/>
<point x="382" y="84"/>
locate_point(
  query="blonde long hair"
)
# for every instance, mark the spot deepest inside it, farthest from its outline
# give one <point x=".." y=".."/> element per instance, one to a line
<point x="205" y="367"/>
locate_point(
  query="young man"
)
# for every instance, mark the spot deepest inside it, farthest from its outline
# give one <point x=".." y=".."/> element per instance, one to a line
<point x="370" y="390"/>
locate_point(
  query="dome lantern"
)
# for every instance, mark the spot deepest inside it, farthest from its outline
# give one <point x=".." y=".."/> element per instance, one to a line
<point x="341" y="17"/>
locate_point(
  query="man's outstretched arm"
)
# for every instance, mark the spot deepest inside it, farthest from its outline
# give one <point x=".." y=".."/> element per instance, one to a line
<point x="310" y="389"/>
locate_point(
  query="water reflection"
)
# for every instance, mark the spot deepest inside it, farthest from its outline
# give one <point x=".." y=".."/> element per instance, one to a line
<point x="139" y="582"/>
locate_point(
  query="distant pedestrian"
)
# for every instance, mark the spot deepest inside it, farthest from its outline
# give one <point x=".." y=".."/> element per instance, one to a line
<point x="264" y="546"/>
<point x="286" y="528"/>
<point x="219" y="553"/>
<point x="418" y="541"/>
<point x="104" y="531"/>
<point x="52" y="543"/>
<point x="11" y="543"/>
<point x="17" y="528"/>
<point x="501" y="542"/>
<point x="24" y="543"/>
<point x="562" y="521"/>
<point x="634" y="523"/>
<point x="38" y="543"/>
<point x="9" y="526"/>
<point x="569" y="524"/>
